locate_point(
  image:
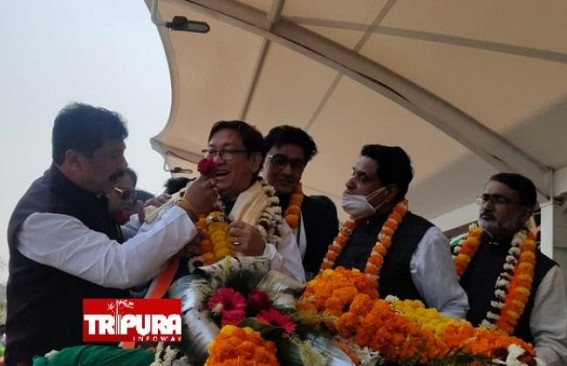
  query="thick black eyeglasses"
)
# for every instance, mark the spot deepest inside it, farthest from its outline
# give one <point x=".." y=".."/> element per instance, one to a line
<point x="126" y="194"/>
<point x="497" y="199"/>
<point x="280" y="161"/>
<point x="224" y="154"/>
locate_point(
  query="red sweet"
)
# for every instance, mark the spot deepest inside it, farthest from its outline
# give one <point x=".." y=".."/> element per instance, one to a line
<point x="207" y="167"/>
<point x="121" y="216"/>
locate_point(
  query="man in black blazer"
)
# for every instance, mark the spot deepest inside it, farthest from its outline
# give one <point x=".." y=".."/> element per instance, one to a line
<point x="313" y="219"/>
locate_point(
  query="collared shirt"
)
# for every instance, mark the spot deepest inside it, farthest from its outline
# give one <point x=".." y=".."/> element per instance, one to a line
<point x="286" y="257"/>
<point x="548" y="319"/>
<point x="433" y="275"/>
<point x="431" y="268"/>
<point x="67" y="244"/>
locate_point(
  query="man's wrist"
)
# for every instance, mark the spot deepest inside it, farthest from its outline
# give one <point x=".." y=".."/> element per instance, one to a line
<point x="188" y="207"/>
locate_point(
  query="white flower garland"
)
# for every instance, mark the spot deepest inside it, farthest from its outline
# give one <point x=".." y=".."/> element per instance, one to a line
<point x="271" y="218"/>
<point x="503" y="281"/>
<point x="165" y="356"/>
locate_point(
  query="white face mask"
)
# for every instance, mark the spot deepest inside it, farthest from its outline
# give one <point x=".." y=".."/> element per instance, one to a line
<point x="357" y="205"/>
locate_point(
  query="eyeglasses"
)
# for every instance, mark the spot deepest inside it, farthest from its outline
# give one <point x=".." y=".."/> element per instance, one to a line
<point x="126" y="194"/>
<point x="224" y="154"/>
<point x="496" y="199"/>
<point x="280" y="161"/>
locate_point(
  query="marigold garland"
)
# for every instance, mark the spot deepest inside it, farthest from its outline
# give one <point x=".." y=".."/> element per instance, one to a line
<point x="293" y="212"/>
<point x="466" y="249"/>
<point x="213" y="239"/>
<point x="514" y="284"/>
<point x="242" y="347"/>
<point x="380" y="249"/>
<point x="331" y="290"/>
<point x="214" y="243"/>
<point x="400" y="331"/>
<point x="387" y="331"/>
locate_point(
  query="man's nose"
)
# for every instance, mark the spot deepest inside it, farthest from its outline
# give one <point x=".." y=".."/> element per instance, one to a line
<point x="123" y="164"/>
<point x="287" y="169"/>
<point x="350" y="183"/>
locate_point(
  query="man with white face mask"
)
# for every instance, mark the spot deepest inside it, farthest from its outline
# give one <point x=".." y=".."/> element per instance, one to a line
<point x="407" y="254"/>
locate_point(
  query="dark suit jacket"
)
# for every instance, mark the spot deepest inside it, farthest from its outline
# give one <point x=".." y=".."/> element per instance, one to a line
<point x="321" y="226"/>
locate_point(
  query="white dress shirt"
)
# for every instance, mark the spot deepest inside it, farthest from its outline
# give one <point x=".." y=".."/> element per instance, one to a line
<point x="286" y="258"/>
<point x="434" y="276"/>
<point x="64" y="242"/>
<point x="548" y="319"/>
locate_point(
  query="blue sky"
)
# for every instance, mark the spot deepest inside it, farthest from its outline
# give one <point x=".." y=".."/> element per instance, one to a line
<point x="104" y="52"/>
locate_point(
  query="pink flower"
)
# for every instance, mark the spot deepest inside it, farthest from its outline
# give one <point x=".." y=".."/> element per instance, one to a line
<point x="232" y="317"/>
<point x="207" y="167"/>
<point x="258" y="301"/>
<point x="275" y="318"/>
<point x="229" y="304"/>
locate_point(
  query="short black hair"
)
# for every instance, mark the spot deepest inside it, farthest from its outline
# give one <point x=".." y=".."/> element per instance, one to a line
<point x="525" y="187"/>
<point x="252" y="139"/>
<point x="285" y="134"/>
<point x="84" y="128"/>
<point x="126" y="171"/>
<point x="175" y="184"/>
<point x="394" y="166"/>
<point x="143" y="195"/>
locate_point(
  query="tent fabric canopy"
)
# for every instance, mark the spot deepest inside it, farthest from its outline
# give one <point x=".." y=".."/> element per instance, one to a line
<point x="466" y="88"/>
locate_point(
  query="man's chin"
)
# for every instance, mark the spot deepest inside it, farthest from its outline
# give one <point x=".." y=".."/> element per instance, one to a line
<point x="488" y="227"/>
<point x="283" y="189"/>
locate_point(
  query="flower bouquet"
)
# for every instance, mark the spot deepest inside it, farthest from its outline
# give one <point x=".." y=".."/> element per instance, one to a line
<point x="394" y="332"/>
<point x="239" y="311"/>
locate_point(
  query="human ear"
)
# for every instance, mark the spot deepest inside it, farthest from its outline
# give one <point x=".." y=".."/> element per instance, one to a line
<point x="527" y="212"/>
<point x="392" y="192"/>
<point x="72" y="158"/>
<point x="256" y="161"/>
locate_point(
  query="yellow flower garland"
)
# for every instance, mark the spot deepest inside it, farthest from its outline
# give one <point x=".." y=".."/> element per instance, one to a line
<point x="380" y="249"/>
<point x="214" y="242"/>
<point x="402" y="331"/>
<point x="512" y="291"/>
<point x="293" y="211"/>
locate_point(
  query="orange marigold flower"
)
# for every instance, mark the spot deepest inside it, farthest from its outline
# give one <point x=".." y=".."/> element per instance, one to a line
<point x="292" y="220"/>
<point x="293" y="209"/>
<point x="347" y="324"/>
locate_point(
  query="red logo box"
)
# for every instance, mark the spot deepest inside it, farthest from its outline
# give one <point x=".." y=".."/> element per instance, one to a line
<point x="131" y="320"/>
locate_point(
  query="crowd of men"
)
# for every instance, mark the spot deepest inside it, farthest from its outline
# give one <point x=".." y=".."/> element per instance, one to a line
<point x="77" y="232"/>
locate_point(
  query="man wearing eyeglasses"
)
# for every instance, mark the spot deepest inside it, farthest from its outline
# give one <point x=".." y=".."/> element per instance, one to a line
<point x="313" y="219"/>
<point x="122" y="198"/>
<point x="256" y="226"/>
<point x="511" y="285"/>
<point x="63" y="244"/>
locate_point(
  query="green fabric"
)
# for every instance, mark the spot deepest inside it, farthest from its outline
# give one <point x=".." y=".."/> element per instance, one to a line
<point x="455" y="240"/>
<point x="96" y="356"/>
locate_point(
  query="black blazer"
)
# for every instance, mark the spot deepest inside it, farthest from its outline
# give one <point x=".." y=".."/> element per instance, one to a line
<point x="321" y="226"/>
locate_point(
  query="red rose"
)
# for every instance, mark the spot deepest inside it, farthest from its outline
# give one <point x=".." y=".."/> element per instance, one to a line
<point x="207" y="167"/>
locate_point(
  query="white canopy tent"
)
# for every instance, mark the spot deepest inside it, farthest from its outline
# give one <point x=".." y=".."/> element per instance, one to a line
<point x="467" y="88"/>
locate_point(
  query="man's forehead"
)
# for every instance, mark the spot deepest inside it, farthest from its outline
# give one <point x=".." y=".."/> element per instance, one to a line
<point x="493" y="186"/>
<point x="113" y="144"/>
<point x="366" y="165"/>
